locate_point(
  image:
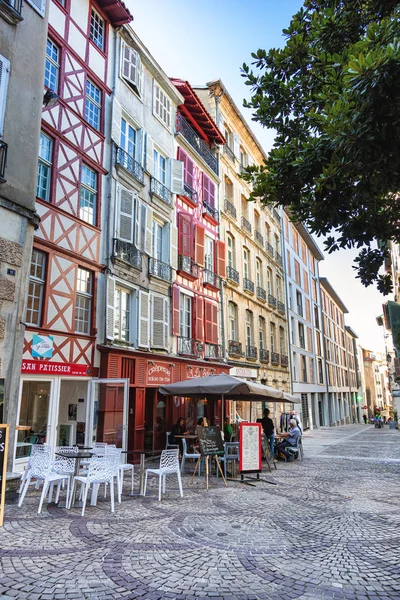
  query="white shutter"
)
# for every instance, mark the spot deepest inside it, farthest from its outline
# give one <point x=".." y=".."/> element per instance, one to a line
<point x="126" y="200"/>
<point x="236" y="145"/>
<point x="137" y="236"/>
<point x="173" y="236"/>
<point x="4" y="74"/>
<point x="116" y="122"/>
<point x="144" y="321"/>
<point x="149" y="154"/>
<point x="176" y="176"/>
<point x="110" y="320"/>
<point x="139" y="146"/>
<point x="148" y="233"/>
<point x="158" y="339"/>
<point x="39" y="6"/>
<point x="166" y="323"/>
<point x="130" y="65"/>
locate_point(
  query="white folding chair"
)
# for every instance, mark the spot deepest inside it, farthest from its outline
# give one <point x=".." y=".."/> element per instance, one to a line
<point x="169" y="464"/>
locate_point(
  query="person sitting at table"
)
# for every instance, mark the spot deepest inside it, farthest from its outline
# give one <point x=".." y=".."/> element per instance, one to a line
<point x="292" y="438"/>
<point x="269" y="430"/>
<point x="178" y="429"/>
<point x="202" y="422"/>
<point x="228" y="430"/>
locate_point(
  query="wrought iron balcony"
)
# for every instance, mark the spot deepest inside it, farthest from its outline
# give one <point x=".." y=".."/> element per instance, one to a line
<point x="229" y="152"/>
<point x="190" y="193"/>
<point x="271" y="300"/>
<point x="197" y="143"/>
<point x="130" y="164"/>
<point x="251" y="352"/>
<point x="161" y="191"/>
<point x="274" y="358"/>
<point x="213" y="351"/>
<point x="232" y="274"/>
<point x="246" y="224"/>
<point x="248" y="285"/>
<point x="160" y="269"/>
<point x="189" y="347"/>
<point x="269" y="249"/>
<point x="3" y="160"/>
<point x="278" y="258"/>
<point x="188" y="266"/>
<point x="128" y="253"/>
<point x="264" y="356"/>
<point x="261" y="294"/>
<point x="211" y="278"/>
<point x="209" y="209"/>
<point x="284" y="360"/>
<point x="230" y="209"/>
<point x="281" y="307"/>
<point x="234" y="348"/>
<point x="259" y="237"/>
<point x="10" y="10"/>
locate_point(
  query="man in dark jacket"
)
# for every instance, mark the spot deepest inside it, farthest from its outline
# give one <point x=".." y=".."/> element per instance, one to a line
<point x="269" y="430"/>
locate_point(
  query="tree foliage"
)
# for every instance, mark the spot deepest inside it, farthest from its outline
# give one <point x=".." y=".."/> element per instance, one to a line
<point x="332" y="95"/>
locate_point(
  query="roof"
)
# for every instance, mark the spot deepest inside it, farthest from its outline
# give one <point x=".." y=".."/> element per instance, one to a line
<point x="116" y="11"/>
<point x="330" y="290"/>
<point x="196" y="112"/>
<point x="351" y="331"/>
<point x="307" y="237"/>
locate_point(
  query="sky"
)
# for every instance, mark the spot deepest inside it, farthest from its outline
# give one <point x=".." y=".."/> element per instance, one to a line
<point x="202" y="40"/>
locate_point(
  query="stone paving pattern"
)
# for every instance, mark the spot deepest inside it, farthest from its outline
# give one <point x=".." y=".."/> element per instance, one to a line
<point x="329" y="529"/>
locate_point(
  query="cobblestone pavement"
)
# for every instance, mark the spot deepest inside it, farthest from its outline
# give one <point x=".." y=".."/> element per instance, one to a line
<point x="329" y="529"/>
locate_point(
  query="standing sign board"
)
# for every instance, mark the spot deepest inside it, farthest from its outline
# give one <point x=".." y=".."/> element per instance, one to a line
<point x="250" y="448"/>
<point x="3" y="468"/>
<point x="210" y="444"/>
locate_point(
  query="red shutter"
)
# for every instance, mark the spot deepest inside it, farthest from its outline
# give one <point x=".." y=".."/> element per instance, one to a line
<point x="208" y="190"/>
<point x="214" y="324"/>
<point x="185" y="242"/>
<point x="199" y="248"/>
<point x="199" y="319"/>
<point x="175" y="311"/>
<point x="210" y="322"/>
<point x="221" y="269"/>
<point x="189" y="171"/>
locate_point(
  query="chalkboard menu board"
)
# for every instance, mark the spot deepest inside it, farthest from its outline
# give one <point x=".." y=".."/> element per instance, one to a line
<point x="210" y="440"/>
<point x="3" y="468"/>
<point x="250" y="448"/>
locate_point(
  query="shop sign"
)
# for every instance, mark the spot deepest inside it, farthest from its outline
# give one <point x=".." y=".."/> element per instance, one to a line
<point x="46" y="367"/>
<point x="42" y="346"/>
<point x="158" y="373"/>
<point x="193" y="372"/>
<point x="243" y="372"/>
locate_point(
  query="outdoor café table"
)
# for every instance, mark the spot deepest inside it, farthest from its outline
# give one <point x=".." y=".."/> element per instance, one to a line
<point x="141" y="466"/>
<point x="78" y="456"/>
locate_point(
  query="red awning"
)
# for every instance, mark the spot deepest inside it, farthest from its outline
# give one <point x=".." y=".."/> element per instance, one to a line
<point x="116" y="11"/>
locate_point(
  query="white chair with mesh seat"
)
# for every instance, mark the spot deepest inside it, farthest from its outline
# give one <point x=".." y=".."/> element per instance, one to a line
<point x="61" y="472"/>
<point x="168" y="444"/>
<point x="101" y="470"/>
<point x="34" y="450"/>
<point x="186" y="454"/>
<point x="125" y="467"/>
<point x="169" y="464"/>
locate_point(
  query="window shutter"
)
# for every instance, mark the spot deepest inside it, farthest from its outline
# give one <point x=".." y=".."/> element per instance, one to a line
<point x="309" y="340"/>
<point x="210" y="322"/>
<point x="189" y="177"/>
<point x="185" y="235"/>
<point x="110" y="308"/>
<point x="149" y="154"/>
<point x="158" y="339"/>
<point x="208" y="190"/>
<point x="173" y="236"/>
<point x="148" y="233"/>
<point x="116" y="122"/>
<point x="236" y="145"/>
<point x="144" y="321"/>
<point x="175" y="311"/>
<point x="125" y="220"/>
<point x="200" y="241"/>
<point x="199" y="319"/>
<point x="177" y="176"/>
<point x="39" y="6"/>
<point x="4" y="74"/>
<point x="139" y="151"/>
<point x="221" y="260"/>
<point x="130" y="65"/>
<point x="166" y="323"/>
<point x="166" y="244"/>
<point x="214" y="324"/>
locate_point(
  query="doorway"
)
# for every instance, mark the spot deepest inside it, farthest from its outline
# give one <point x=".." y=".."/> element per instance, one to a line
<point x="108" y="412"/>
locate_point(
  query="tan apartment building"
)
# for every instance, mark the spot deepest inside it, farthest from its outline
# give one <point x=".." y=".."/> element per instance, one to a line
<point x="253" y="301"/>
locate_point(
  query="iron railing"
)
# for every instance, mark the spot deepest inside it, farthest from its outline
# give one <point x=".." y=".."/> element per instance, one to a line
<point x="230" y="209"/>
<point x="130" y="164"/>
<point x="248" y="285"/>
<point x="187" y="264"/>
<point x="274" y="358"/>
<point x="161" y="191"/>
<point x="246" y="224"/>
<point x="213" y="351"/>
<point x="269" y="249"/>
<point x="190" y="193"/>
<point x="189" y="347"/>
<point x="211" y="278"/>
<point x="264" y="356"/>
<point x="251" y="352"/>
<point x="128" y="253"/>
<point x="229" y="152"/>
<point x="259" y="237"/>
<point x="234" y="348"/>
<point x="3" y="160"/>
<point x="271" y="300"/>
<point x="160" y="269"/>
<point x="232" y="274"/>
<point x="284" y="361"/>
<point x="281" y="307"/>
<point x="261" y="294"/>
<point x="278" y="258"/>
<point x="209" y="209"/>
<point x="199" y="145"/>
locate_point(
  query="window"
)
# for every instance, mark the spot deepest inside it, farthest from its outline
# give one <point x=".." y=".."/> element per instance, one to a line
<point x="232" y="316"/>
<point x="209" y="254"/>
<point x="231" y="250"/>
<point x="243" y="158"/>
<point x="272" y="337"/>
<point x="261" y="333"/>
<point x="278" y="288"/>
<point x="249" y="328"/>
<point x="245" y="206"/>
<point x="93" y="105"/>
<point x="43" y="179"/>
<point x="246" y="263"/>
<point x="131" y="66"/>
<point x="39" y="6"/>
<point x="318" y="338"/>
<point x="4" y="75"/>
<point x="228" y="190"/>
<point x="299" y="302"/>
<point x="185" y="316"/>
<point x="122" y="315"/>
<point x="228" y="136"/>
<point x="269" y="281"/>
<point x="160" y="167"/>
<point x="83" y="301"/>
<point x="290" y="295"/>
<point x="97" y="30"/>
<point x="128" y="138"/>
<point x="36" y="288"/>
<point x="52" y="66"/>
<point x="162" y="106"/>
<point x="320" y="371"/>
<point x="304" y="368"/>
<point x="88" y="195"/>
<point x="292" y="328"/>
<point x="259" y="273"/>
<point x="302" y="342"/>
<point x="157" y="241"/>
<point x="282" y="349"/>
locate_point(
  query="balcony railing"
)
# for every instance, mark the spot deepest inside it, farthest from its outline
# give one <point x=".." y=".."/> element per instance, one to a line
<point x="246" y="224"/>
<point x="284" y="360"/>
<point x="229" y="152"/>
<point x="210" y="157"/>
<point x="271" y="300"/>
<point x="3" y="160"/>
<point x="211" y="278"/>
<point x="189" y="347"/>
<point x="248" y="285"/>
<point x="161" y="191"/>
<point x="264" y="356"/>
<point x="259" y="237"/>
<point x="128" y="253"/>
<point x="274" y="358"/>
<point x="234" y="348"/>
<point x="10" y="10"/>
<point x="213" y="351"/>
<point x="209" y="209"/>
<point x="130" y="164"/>
<point x="261" y="294"/>
<point x="230" y="209"/>
<point x="281" y="307"/>
<point x="269" y="249"/>
<point x="251" y="352"/>
<point x="187" y="264"/>
<point x="278" y="258"/>
<point x="232" y="274"/>
<point x="190" y="193"/>
<point x="160" y="269"/>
